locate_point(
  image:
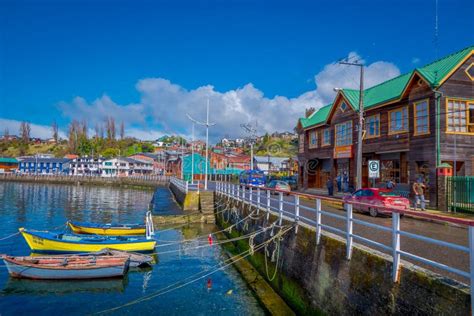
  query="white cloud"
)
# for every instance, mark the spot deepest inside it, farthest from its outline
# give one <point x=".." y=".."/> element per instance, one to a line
<point x="41" y="131"/>
<point x="163" y="105"/>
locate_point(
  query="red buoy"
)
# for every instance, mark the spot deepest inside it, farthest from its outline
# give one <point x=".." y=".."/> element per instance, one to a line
<point x="209" y="239"/>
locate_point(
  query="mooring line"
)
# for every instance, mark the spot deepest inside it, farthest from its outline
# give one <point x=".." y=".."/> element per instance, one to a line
<point x="177" y="285"/>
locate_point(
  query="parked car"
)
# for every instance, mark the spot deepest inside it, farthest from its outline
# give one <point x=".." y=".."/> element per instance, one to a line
<point x="374" y="200"/>
<point x="279" y="185"/>
<point x="292" y="181"/>
<point x="252" y="177"/>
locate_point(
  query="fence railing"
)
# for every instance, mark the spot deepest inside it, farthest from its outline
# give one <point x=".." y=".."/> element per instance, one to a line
<point x="289" y="209"/>
<point x="460" y="193"/>
<point x="184" y="185"/>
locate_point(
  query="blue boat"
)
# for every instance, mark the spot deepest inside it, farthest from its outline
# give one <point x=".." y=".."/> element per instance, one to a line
<point x="67" y="268"/>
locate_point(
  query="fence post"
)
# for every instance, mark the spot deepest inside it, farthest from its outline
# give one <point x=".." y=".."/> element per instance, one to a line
<point x="186" y="186"/>
<point x="243" y="193"/>
<point x="280" y="208"/>
<point x="318" y="221"/>
<point x="349" y="231"/>
<point x="297" y="212"/>
<point x="396" y="246"/>
<point x="250" y="195"/>
<point x="471" y="264"/>
<point x="268" y="204"/>
<point x="258" y="200"/>
<point x="238" y="192"/>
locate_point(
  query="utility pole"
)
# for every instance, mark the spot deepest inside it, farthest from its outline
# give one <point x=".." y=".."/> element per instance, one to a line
<point x="192" y="157"/>
<point x="207" y="124"/>
<point x="249" y="128"/>
<point x="361" y="122"/>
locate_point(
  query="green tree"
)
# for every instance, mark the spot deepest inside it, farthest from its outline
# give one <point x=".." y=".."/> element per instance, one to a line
<point x="110" y="152"/>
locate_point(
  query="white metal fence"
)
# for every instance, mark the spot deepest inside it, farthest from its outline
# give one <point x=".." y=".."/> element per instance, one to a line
<point x="184" y="185"/>
<point x="262" y="199"/>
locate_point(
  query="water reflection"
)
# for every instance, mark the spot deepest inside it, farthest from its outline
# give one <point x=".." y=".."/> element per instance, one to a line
<point x="39" y="206"/>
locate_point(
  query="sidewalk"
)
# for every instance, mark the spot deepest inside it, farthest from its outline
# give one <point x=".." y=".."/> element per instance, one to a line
<point x="432" y="211"/>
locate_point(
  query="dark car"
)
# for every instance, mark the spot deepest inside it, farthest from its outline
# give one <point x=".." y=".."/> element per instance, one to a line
<point x="279" y="185"/>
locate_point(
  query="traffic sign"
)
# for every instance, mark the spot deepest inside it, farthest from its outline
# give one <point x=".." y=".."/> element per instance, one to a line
<point x="374" y="169"/>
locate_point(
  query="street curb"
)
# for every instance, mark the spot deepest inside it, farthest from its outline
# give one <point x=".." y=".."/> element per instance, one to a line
<point x="339" y="205"/>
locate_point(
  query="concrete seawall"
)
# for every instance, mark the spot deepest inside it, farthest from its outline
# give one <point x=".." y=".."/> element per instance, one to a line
<point x="315" y="279"/>
<point x="150" y="181"/>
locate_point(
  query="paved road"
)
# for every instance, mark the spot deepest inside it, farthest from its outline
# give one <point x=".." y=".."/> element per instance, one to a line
<point x="444" y="232"/>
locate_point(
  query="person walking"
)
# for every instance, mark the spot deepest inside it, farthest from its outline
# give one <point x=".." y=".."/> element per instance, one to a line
<point x="330" y="186"/>
<point x="339" y="182"/>
<point x="419" y="191"/>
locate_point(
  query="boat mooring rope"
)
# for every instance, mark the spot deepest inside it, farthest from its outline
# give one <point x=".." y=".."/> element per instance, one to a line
<point x="194" y="278"/>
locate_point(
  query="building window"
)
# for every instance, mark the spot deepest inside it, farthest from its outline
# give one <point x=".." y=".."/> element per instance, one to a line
<point x="313" y="139"/>
<point x="372" y="126"/>
<point x="398" y="121"/>
<point x="343" y="106"/>
<point x="470" y="71"/>
<point x="422" y="122"/>
<point x="327" y="137"/>
<point x="460" y="116"/>
<point x="344" y="134"/>
<point x="301" y="143"/>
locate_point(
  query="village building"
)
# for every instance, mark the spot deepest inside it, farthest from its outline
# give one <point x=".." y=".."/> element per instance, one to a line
<point x="86" y="165"/>
<point x="413" y="124"/>
<point x="41" y="165"/>
<point x="8" y="165"/>
<point x="125" y="166"/>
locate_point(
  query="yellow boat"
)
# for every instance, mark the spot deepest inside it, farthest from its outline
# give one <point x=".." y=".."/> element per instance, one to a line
<point x="107" y="229"/>
<point x="50" y="242"/>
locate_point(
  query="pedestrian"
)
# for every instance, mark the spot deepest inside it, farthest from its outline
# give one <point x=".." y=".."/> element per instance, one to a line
<point x="339" y="182"/>
<point x="390" y="184"/>
<point x="419" y="191"/>
<point x="330" y="186"/>
<point x="345" y="182"/>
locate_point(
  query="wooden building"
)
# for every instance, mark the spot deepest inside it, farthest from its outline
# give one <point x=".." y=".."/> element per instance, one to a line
<point x="412" y="124"/>
<point x="8" y="165"/>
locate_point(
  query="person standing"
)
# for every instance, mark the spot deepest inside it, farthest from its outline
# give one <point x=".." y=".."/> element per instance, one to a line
<point x="419" y="191"/>
<point x="390" y="184"/>
<point x="330" y="186"/>
<point x="339" y="182"/>
<point x="345" y="182"/>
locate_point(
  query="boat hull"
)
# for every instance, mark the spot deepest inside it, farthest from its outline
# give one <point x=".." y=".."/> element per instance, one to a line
<point x="50" y="245"/>
<point x="106" y="230"/>
<point x="39" y="273"/>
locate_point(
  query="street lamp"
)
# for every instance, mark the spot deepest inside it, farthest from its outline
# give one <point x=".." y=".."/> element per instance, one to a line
<point x="207" y="124"/>
<point x="361" y="121"/>
<point x="249" y="128"/>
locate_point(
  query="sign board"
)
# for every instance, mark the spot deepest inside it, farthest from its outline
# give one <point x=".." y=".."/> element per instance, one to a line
<point x="343" y="152"/>
<point x="374" y="169"/>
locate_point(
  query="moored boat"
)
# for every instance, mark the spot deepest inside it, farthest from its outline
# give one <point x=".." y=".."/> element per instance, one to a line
<point x="52" y="242"/>
<point x="110" y="229"/>
<point x="67" y="267"/>
<point x="107" y="229"/>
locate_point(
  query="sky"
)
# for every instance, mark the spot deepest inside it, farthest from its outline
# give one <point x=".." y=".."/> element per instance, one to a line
<point x="148" y="63"/>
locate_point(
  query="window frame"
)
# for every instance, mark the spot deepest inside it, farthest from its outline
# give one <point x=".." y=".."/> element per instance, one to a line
<point x="367" y="127"/>
<point x="351" y="134"/>
<point x="415" y="118"/>
<point x="469" y="103"/>
<point x="323" y="139"/>
<point x="310" y="140"/>
<point x="390" y="132"/>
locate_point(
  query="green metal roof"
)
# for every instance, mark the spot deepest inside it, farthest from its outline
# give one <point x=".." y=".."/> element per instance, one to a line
<point x="318" y="117"/>
<point x="8" y="160"/>
<point x="392" y="89"/>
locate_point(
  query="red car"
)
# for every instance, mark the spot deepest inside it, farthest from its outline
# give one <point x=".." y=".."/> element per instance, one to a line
<point x="373" y="200"/>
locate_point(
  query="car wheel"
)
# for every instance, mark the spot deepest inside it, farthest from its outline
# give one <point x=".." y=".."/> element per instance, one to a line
<point x="373" y="212"/>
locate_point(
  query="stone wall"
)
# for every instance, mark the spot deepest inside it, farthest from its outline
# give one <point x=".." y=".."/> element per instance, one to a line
<point x="315" y="279"/>
<point x="145" y="181"/>
<point x="189" y="201"/>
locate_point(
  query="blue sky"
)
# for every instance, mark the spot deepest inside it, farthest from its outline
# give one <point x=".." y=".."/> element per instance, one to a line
<point x="58" y="58"/>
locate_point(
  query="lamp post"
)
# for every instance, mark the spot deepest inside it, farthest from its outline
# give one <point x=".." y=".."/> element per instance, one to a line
<point x="361" y="122"/>
<point x="249" y="128"/>
<point x="207" y="124"/>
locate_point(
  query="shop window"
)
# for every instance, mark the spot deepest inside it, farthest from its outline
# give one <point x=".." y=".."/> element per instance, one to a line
<point x="313" y="139"/>
<point x="398" y="121"/>
<point x="422" y="123"/>
<point x="460" y="116"/>
<point x="344" y="134"/>
<point x="372" y="126"/>
<point x="327" y="137"/>
<point x="390" y="170"/>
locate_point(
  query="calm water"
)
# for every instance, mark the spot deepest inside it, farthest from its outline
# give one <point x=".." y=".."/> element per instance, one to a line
<point x="42" y="206"/>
